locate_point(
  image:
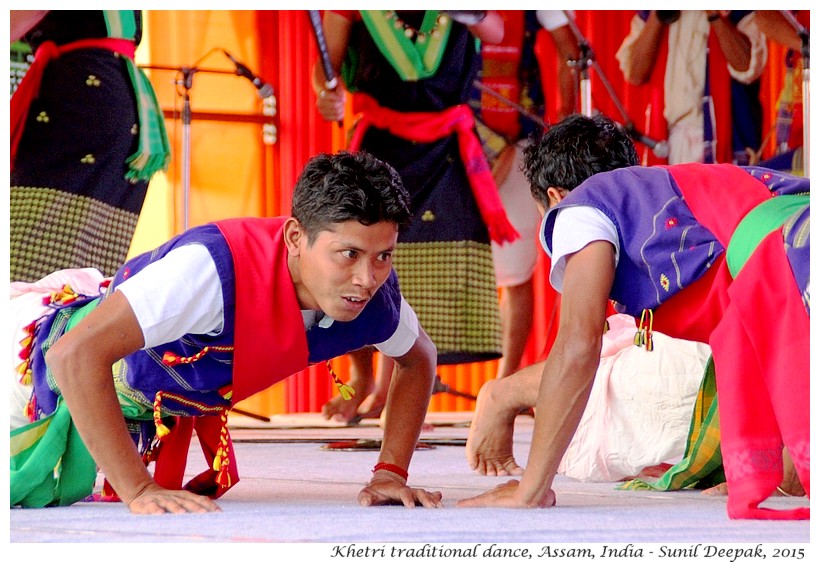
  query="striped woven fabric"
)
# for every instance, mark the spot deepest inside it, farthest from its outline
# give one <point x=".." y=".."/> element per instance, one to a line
<point x="450" y="285"/>
<point x="54" y="229"/>
<point x="50" y="465"/>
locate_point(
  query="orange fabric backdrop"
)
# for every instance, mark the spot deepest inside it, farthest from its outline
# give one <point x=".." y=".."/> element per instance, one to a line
<point x="233" y="172"/>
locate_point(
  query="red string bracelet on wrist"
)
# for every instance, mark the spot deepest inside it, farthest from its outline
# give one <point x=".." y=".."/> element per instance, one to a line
<point x="391" y="468"/>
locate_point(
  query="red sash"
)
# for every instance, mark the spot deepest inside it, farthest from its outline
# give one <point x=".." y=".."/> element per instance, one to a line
<point x="29" y="87"/>
<point x="426" y="127"/>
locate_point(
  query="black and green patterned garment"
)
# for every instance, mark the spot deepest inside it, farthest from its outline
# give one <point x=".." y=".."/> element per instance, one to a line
<point x="443" y="259"/>
<point x="71" y="205"/>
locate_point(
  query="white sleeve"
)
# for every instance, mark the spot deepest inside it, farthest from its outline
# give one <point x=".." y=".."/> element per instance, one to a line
<point x="178" y="294"/>
<point x="405" y="335"/>
<point x="759" y="55"/>
<point x="624" y="53"/>
<point x="575" y="227"/>
<point x="551" y="19"/>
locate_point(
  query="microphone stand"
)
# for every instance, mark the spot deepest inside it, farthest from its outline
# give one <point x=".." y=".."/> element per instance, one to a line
<point x="581" y="66"/>
<point x="185" y="81"/>
<point x="803" y="34"/>
<point x="583" y="63"/>
<point x="586" y="59"/>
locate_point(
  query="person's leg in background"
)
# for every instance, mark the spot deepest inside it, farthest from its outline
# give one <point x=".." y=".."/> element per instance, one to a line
<point x="515" y="262"/>
<point x="361" y="380"/>
<point x="370" y="385"/>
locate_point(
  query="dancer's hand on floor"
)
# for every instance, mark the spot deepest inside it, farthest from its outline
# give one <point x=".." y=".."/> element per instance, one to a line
<point x="157" y="500"/>
<point x="338" y="409"/>
<point x="388" y="490"/>
<point x="490" y="441"/>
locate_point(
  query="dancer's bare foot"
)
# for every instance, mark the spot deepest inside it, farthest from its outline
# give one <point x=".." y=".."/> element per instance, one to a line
<point x="720" y="490"/>
<point x="503" y="496"/>
<point x="651" y="472"/>
<point x="783" y="490"/>
<point x="490" y="441"/>
<point x="789" y="487"/>
<point x="372" y="406"/>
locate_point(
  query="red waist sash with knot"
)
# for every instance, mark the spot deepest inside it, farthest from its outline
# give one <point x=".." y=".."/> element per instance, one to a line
<point x="426" y="127"/>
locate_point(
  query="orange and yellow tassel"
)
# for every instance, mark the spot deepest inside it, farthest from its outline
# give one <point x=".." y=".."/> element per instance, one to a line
<point x="222" y="459"/>
<point x="62" y="297"/>
<point x="162" y="430"/>
<point x="345" y="390"/>
<point x="171" y="359"/>
<point x="26" y="344"/>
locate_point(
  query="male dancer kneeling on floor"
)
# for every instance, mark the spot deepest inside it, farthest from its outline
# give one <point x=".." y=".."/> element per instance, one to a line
<point x="711" y="255"/>
<point x="215" y="315"/>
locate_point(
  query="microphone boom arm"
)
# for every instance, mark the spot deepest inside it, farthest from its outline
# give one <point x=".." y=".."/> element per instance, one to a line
<point x="587" y="59"/>
<point x="264" y="89"/>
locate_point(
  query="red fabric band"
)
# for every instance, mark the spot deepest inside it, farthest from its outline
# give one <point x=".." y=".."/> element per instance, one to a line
<point x="391" y="468"/>
<point x="29" y="86"/>
<point x="426" y="127"/>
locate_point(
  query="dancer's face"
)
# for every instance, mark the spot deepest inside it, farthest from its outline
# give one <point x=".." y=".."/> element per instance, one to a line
<point x="340" y="271"/>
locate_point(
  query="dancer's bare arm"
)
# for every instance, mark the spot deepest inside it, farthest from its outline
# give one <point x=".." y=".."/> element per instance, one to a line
<point x="407" y="403"/>
<point x="490" y="29"/>
<point x="331" y="102"/>
<point x="642" y="54"/>
<point x="777" y="28"/>
<point x="736" y="46"/>
<point x="567" y="379"/>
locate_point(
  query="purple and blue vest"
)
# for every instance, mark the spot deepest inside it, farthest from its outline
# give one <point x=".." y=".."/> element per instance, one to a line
<point x="663" y="247"/>
<point x="205" y="383"/>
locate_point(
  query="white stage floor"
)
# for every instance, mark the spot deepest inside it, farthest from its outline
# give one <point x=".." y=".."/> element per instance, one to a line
<point x="295" y="492"/>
